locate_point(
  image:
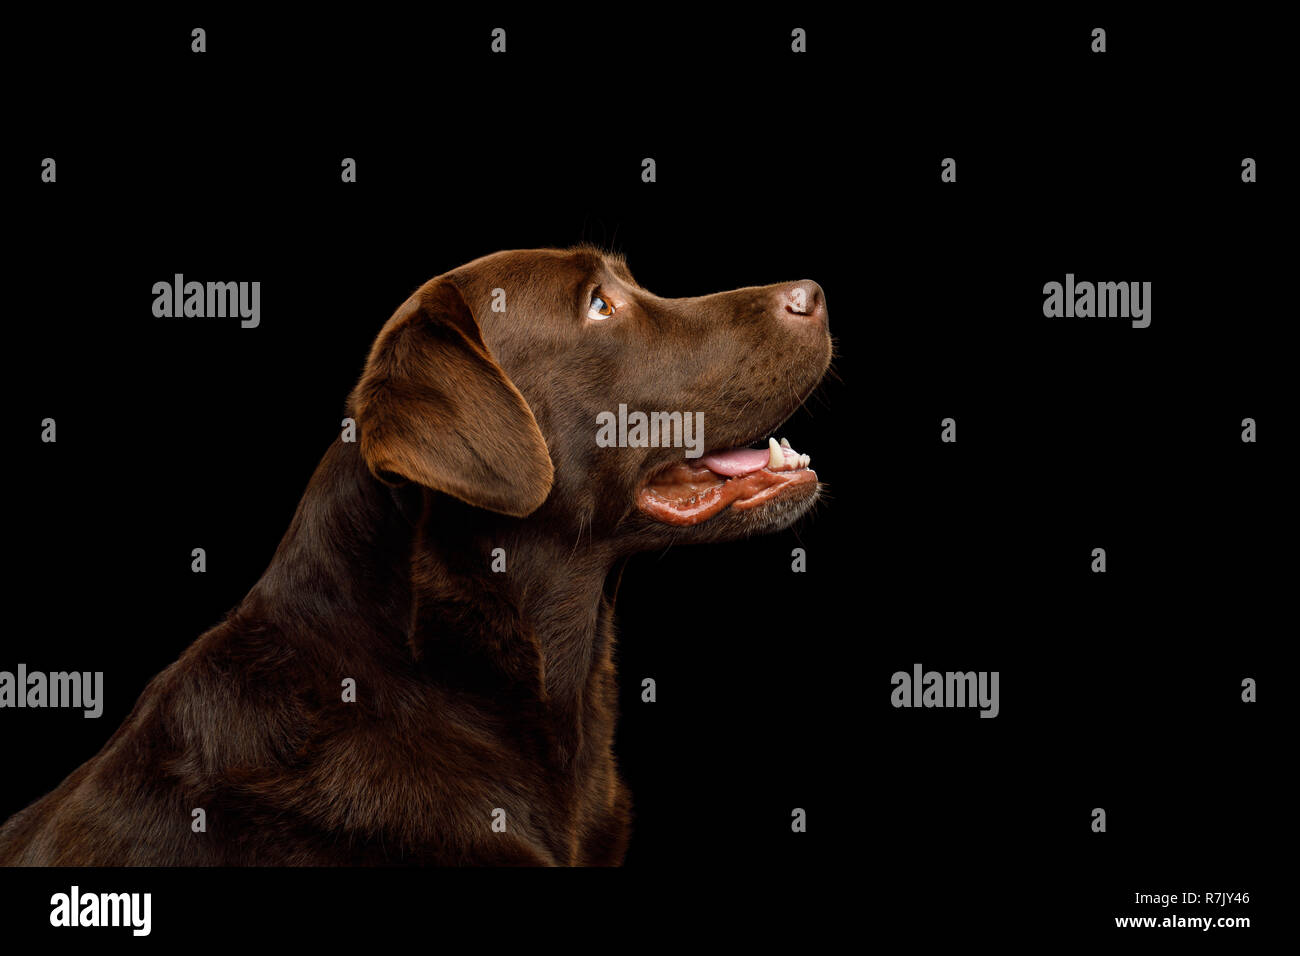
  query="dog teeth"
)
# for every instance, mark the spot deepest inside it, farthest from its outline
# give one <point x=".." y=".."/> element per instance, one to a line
<point x="781" y="457"/>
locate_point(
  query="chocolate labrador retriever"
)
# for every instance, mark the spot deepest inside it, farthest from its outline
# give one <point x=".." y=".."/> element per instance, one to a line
<point x="424" y="674"/>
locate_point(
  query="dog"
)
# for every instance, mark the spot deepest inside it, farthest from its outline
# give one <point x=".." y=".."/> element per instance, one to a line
<point x="424" y="674"/>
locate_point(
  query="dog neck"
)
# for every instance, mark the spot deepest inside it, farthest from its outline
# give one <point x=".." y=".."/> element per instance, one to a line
<point x="517" y="611"/>
<point x="328" y="574"/>
<point x="499" y="608"/>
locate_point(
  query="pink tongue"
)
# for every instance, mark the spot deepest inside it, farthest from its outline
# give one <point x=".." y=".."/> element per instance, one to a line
<point x="737" y="461"/>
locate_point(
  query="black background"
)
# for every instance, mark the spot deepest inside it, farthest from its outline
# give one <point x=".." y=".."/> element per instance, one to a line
<point x="1119" y="690"/>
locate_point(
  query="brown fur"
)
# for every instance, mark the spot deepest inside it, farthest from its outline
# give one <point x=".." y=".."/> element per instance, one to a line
<point x="475" y="690"/>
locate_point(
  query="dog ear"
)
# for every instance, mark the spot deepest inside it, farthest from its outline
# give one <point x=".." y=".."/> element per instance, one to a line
<point x="434" y="407"/>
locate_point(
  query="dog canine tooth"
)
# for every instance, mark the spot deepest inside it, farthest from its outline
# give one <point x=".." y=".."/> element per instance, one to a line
<point x="775" y="457"/>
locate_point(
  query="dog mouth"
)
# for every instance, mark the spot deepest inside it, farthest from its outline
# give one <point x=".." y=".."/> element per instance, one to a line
<point x="691" y="491"/>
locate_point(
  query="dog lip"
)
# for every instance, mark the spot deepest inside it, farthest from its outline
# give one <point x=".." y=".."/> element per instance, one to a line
<point x="690" y="491"/>
<point x="694" y="495"/>
<point x="661" y="466"/>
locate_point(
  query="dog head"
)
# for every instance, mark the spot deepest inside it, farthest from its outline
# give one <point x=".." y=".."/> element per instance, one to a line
<point x="548" y="385"/>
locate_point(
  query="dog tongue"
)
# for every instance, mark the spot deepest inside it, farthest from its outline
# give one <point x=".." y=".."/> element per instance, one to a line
<point x="737" y="461"/>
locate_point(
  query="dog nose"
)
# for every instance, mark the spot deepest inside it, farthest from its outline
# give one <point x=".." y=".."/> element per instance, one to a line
<point x="805" y="300"/>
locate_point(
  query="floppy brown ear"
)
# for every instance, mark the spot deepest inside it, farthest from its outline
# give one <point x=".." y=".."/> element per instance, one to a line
<point x="434" y="407"/>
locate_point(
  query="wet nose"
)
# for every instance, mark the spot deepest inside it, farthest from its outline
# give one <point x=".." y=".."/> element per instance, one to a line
<point x="804" y="301"/>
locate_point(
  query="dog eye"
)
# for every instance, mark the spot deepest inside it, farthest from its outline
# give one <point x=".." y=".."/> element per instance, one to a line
<point x="599" y="308"/>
